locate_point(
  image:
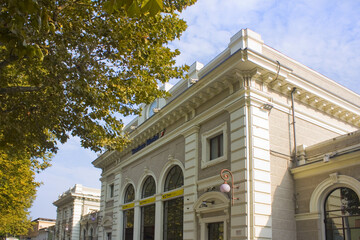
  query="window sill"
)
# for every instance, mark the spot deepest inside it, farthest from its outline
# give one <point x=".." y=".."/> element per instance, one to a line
<point x="209" y="163"/>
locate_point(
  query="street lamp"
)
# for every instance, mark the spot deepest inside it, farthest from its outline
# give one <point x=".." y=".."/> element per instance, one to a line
<point x="225" y="187"/>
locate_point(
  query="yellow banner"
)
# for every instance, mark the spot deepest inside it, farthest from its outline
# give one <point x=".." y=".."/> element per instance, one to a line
<point x="127" y="206"/>
<point x="146" y="201"/>
<point x="173" y="194"/>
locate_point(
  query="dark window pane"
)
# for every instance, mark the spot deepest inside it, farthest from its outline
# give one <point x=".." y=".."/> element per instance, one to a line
<point x="216" y="231"/>
<point x="173" y="219"/>
<point x="148" y="222"/>
<point x="149" y="187"/>
<point x="112" y="190"/>
<point x="129" y="194"/>
<point x="342" y="215"/>
<point x="128" y="224"/>
<point x="216" y="147"/>
<point x="174" y="179"/>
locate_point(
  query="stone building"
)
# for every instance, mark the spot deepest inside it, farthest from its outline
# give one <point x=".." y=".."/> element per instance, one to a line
<point x="89" y="224"/>
<point x="251" y="110"/>
<point x="42" y="229"/>
<point x="327" y="189"/>
<point x="71" y="206"/>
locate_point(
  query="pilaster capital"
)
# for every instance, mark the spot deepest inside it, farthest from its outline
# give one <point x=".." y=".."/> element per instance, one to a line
<point x="192" y="130"/>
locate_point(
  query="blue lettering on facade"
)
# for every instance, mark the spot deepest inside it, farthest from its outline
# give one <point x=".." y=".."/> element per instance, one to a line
<point x="148" y="142"/>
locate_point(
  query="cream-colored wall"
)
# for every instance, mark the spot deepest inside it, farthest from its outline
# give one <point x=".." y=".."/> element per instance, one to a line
<point x="154" y="161"/>
<point x="210" y="171"/>
<point x="308" y="132"/>
<point x="311" y="228"/>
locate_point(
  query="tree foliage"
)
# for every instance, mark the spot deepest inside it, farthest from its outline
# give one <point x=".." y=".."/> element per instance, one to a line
<point x="72" y="66"/>
<point x="17" y="191"/>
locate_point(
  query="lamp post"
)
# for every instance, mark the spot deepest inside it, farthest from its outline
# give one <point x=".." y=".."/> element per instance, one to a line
<point x="225" y="174"/>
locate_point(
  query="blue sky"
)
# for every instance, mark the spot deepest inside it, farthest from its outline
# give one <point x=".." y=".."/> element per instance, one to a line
<point x="322" y="34"/>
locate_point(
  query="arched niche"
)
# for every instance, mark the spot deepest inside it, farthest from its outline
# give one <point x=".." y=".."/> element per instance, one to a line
<point x="212" y="207"/>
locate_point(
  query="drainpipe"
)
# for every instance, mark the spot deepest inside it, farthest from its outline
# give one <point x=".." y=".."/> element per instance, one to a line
<point x="294" y="129"/>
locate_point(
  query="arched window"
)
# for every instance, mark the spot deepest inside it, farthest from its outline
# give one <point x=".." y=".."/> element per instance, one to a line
<point x="84" y="234"/>
<point x="129" y="194"/>
<point x="129" y="213"/>
<point x="148" y="210"/>
<point x="151" y="108"/>
<point x="173" y="208"/>
<point x="342" y="215"/>
<point x="149" y="187"/>
<point x="174" y="179"/>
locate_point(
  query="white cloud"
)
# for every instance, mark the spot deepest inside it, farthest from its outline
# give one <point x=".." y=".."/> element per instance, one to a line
<point x="322" y="34"/>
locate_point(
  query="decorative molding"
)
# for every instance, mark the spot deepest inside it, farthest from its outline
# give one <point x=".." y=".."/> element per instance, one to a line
<point x="334" y="178"/>
<point x="325" y="187"/>
<point x="191" y="130"/>
<point x="320" y="167"/>
<point x="307" y="216"/>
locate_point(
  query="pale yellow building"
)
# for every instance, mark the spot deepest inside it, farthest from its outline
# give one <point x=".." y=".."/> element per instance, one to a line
<point x="71" y="206"/>
<point x="42" y="229"/>
<point x="251" y="110"/>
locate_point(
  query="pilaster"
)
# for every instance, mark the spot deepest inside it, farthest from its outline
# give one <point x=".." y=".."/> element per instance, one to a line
<point x="117" y="214"/>
<point x="259" y="173"/>
<point x="101" y="232"/>
<point x="239" y="167"/>
<point x="158" y="218"/>
<point x="190" y="179"/>
<point x="137" y="221"/>
<point x="77" y="212"/>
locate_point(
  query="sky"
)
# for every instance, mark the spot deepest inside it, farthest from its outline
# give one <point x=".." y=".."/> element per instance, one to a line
<point x="321" y="34"/>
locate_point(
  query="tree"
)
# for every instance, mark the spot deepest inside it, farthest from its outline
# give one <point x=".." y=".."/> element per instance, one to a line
<point x="17" y="191"/>
<point x="72" y="66"/>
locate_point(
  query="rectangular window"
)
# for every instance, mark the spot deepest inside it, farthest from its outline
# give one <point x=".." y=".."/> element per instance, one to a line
<point x="216" y="231"/>
<point x="216" y="147"/>
<point x="109" y="236"/>
<point x="129" y="224"/>
<point x="111" y="190"/>
<point x="173" y="219"/>
<point x="148" y="222"/>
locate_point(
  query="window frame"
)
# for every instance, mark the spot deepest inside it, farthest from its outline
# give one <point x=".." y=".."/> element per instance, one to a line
<point x="167" y="188"/>
<point x="206" y="147"/>
<point x="148" y="180"/>
<point x="127" y="189"/>
<point x="342" y="216"/>
<point x="127" y="200"/>
<point x="143" y="211"/>
<point x="110" y="191"/>
<point x="167" y="179"/>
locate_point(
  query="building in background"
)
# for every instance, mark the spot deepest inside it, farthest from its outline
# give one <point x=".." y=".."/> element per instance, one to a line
<point x="251" y="110"/>
<point x="89" y="224"/>
<point x="43" y="229"/>
<point x="71" y="206"/>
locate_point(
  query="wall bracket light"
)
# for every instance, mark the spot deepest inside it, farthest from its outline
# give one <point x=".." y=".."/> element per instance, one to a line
<point x="225" y="174"/>
<point x="267" y="106"/>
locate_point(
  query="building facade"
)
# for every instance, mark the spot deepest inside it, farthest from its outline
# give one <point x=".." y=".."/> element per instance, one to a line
<point x="43" y="229"/>
<point x="327" y="189"/>
<point x="71" y="206"/>
<point x="89" y="226"/>
<point x="252" y="111"/>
